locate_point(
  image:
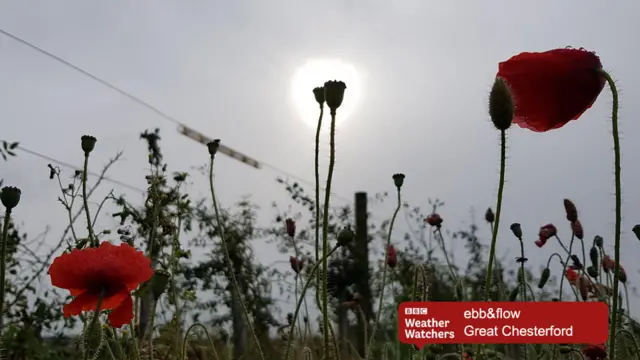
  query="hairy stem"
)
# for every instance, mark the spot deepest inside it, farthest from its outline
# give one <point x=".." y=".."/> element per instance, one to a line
<point x="384" y="276"/>
<point x="496" y="226"/>
<point x="234" y="282"/>
<point x="85" y="200"/>
<point x="618" y="186"/>
<point x="3" y="263"/>
<point x="325" y="232"/>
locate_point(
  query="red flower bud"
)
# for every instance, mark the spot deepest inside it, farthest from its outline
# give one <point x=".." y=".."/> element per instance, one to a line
<point x="392" y="257"/>
<point x="296" y="264"/>
<point x="434" y="220"/>
<point x="290" y="226"/>
<point x="576" y="227"/>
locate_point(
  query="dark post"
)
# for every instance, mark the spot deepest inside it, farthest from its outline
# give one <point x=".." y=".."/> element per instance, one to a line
<point x="361" y="255"/>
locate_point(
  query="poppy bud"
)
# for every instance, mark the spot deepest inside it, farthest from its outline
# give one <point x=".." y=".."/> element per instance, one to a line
<point x="434" y="220"/>
<point x="622" y="276"/>
<point x="593" y="255"/>
<point x="598" y="241"/>
<point x="576" y="226"/>
<point x="213" y="146"/>
<point x="636" y="231"/>
<point x="500" y="105"/>
<point x="346" y="236"/>
<point x="159" y="283"/>
<point x="290" y="226"/>
<point x="10" y="197"/>
<point x="513" y="295"/>
<point x="334" y="94"/>
<point x="516" y="230"/>
<point x="290" y="319"/>
<point x="392" y="257"/>
<point x="544" y="277"/>
<point x="319" y="95"/>
<point x="576" y="262"/>
<point x="398" y="180"/>
<point x="489" y="216"/>
<point x="607" y="264"/>
<point x="570" y="210"/>
<point x="88" y="143"/>
<point x="592" y="271"/>
<point x="547" y="231"/>
<point x="296" y="264"/>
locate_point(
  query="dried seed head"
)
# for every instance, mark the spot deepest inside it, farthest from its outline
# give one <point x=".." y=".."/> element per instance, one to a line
<point x="290" y="227"/>
<point x="346" y="236"/>
<point x="570" y="209"/>
<point x="88" y="143"/>
<point x="398" y="180"/>
<point x="489" y="216"/>
<point x="334" y="94"/>
<point x="501" y="105"/>
<point x="10" y="197"/>
<point x="318" y="93"/>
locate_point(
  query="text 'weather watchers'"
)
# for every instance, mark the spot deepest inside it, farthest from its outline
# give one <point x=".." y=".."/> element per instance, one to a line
<point x="421" y="323"/>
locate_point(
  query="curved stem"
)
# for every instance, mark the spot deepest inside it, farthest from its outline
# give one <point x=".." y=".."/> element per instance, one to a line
<point x="496" y="226"/>
<point x="234" y="281"/>
<point x="317" y="176"/>
<point x="384" y="278"/>
<point x="325" y="232"/>
<point x="3" y="264"/>
<point x="92" y="239"/>
<point x="186" y="336"/>
<point x="618" y="186"/>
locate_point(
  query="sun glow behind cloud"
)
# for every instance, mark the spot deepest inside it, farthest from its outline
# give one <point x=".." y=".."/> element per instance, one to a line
<point x="315" y="73"/>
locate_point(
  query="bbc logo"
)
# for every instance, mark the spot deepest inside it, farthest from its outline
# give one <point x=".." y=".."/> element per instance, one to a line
<point x="415" y="311"/>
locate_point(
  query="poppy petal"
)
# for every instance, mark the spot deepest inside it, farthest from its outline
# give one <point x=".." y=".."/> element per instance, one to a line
<point x="87" y="301"/>
<point x="123" y="314"/>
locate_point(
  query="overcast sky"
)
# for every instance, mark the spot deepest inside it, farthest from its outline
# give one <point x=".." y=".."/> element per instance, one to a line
<point x="225" y="68"/>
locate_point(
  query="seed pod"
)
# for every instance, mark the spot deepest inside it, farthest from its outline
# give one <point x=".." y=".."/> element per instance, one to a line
<point x="570" y="209"/>
<point x="592" y="271"/>
<point x="516" y="230"/>
<point x="501" y="105"/>
<point x="489" y="216"/>
<point x="513" y="295"/>
<point x="544" y="277"/>
<point x="593" y="255"/>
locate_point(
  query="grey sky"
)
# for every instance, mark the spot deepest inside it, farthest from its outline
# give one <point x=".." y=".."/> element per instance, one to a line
<point x="225" y="69"/>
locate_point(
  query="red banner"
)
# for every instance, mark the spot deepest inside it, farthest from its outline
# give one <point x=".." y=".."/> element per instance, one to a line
<point x="422" y="323"/>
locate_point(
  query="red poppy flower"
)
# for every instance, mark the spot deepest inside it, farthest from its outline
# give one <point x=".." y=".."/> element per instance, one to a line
<point x="609" y="265"/>
<point x="571" y="275"/>
<point x="392" y="257"/>
<point x="290" y="226"/>
<point x="108" y="271"/>
<point x="546" y="232"/>
<point x="595" y="352"/>
<point x="551" y="88"/>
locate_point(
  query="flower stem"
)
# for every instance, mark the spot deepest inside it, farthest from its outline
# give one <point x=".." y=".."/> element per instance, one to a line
<point x="234" y="281"/>
<point x="92" y="239"/>
<point x="325" y="234"/>
<point x="384" y="277"/>
<point x="317" y="175"/>
<point x="496" y="225"/>
<point x="3" y="263"/>
<point x="618" y="186"/>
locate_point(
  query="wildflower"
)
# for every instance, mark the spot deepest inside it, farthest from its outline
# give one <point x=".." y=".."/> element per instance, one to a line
<point x="544" y="277"/>
<point x="571" y="275"/>
<point x="296" y="264"/>
<point x="546" y="232"/>
<point x="434" y="220"/>
<point x="551" y="88"/>
<point x="334" y="94"/>
<point x="576" y="227"/>
<point x="570" y="210"/>
<point x="595" y="352"/>
<point x="290" y="226"/>
<point x="392" y="257"/>
<point x="10" y="197"/>
<point x="88" y="143"/>
<point x="489" y="216"/>
<point x="318" y="93"/>
<point x="500" y="105"/>
<point x="102" y="275"/>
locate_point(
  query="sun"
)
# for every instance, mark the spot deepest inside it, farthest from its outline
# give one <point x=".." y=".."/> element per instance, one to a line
<point x="315" y="73"/>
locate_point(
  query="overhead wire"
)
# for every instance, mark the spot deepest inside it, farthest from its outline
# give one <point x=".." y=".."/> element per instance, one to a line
<point x="140" y="102"/>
